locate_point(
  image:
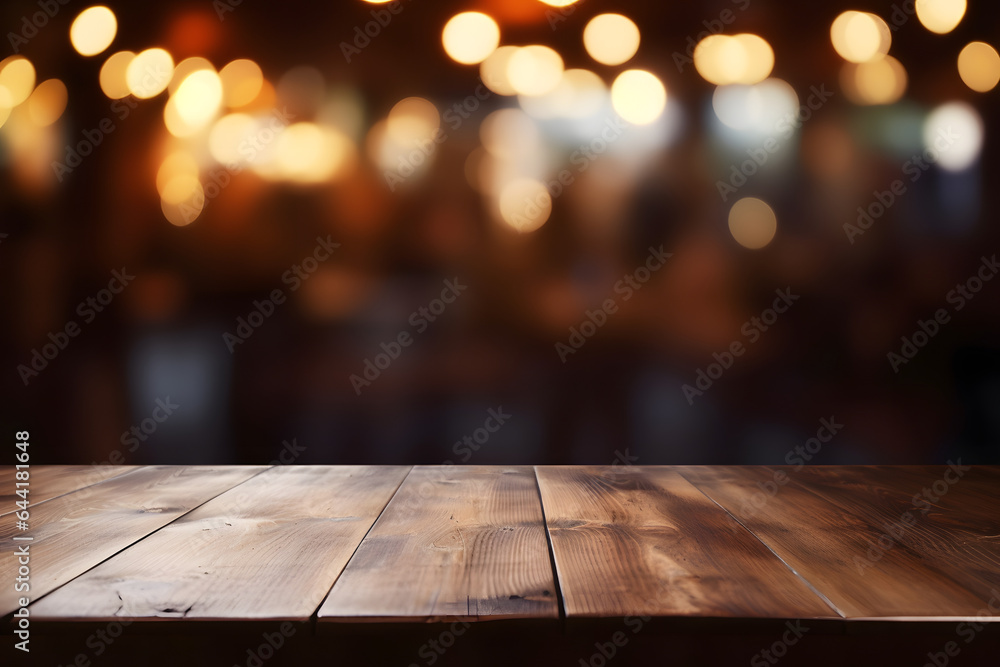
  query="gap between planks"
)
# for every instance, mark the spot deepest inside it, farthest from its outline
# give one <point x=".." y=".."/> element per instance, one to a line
<point x="767" y="546"/>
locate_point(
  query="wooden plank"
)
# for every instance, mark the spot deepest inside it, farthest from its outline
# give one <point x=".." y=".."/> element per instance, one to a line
<point x="76" y="531"/>
<point x="829" y="545"/>
<point x="644" y="541"/>
<point x="465" y="543"/>
<point x="946" y="516"/>
<point x="268" y="549"/>
<point x="49" y="481"/>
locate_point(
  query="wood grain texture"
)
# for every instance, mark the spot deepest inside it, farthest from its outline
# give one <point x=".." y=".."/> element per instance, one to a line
<point x="947" y="516"/>
<point x="646" y="542"/>
<point x="268" y="549"/>
<point x="834" y="542"/>
<point x="455" y="543"/>
<point x="76" y="531"/>
<point x="47" y="482"/>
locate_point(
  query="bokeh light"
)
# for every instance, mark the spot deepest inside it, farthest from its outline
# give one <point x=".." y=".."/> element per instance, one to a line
<point x="112" y="76"/>
<point x="179" y="163"/>
<point x="611" y="39"/>
<point x="525" y="204"/>
<point x="17" y="76"/>
<point x="881" y="81"/>
<point x="752" y="223"/>
<point x="309" y="153"/>
<point x="413" y="120"/>
<point x="534" y="70"/>
<point x="198" y="98"/>
<point x="470" y="37"/>
<point x="186" y="211"/>
<point x="493" y="71"/>
<point x="743" y="58"/>
<point x="758" y="108"/>
<point x="242" y="81"/>
<point x="149" y="73"/>
<point x="580" y="93"/>
<point x="940" y="16"/>
<point x="979" y="66"/>
<point x="955" y="132"/>
<point x="227" y="136"/>
<point x="93" y="30"/>
<point x="860" y="36"/>
<point x="303" y="89"/>
<point x="638" y="96"/>
<point x="5" y="106"/>
<point x="509" y="133"/>
<point x="185" y="68"/>
<point x="47" y="103"/>
<point x="180" y="188"/>
<point x="182" y="196"/>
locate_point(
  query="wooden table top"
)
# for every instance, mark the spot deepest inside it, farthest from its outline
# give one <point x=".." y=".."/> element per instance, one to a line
<point x="368" y="544"/>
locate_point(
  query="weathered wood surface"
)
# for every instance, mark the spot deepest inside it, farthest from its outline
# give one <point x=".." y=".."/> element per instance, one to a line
<point x="857" y="551"/>
<point x="462" y="543"/>
<point x="76" y="531"/>
<point x="269" y="548"/>
<point x="47" y="482"/>
<point x="644" y="541"/>
<point x="391" y="544"/>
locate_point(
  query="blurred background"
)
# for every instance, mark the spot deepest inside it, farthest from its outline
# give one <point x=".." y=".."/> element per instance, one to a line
<point x="429" y="232"/>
